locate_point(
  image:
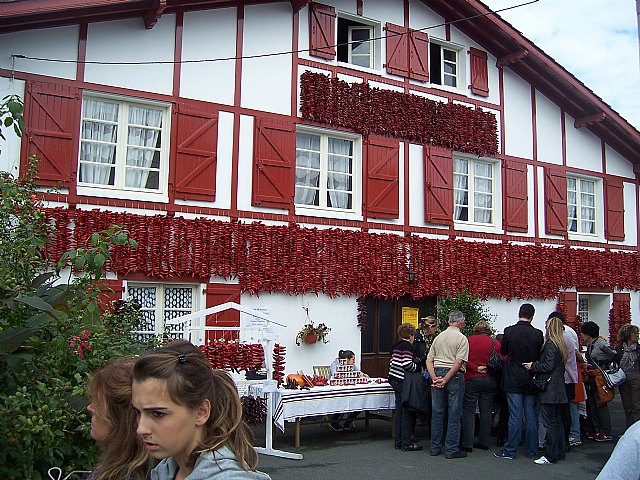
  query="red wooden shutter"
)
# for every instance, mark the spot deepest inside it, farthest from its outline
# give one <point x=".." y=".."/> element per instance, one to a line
<point x="383" y="183"/>
<point x="516" y="193"/>
<point x="615" y="209"/>
<point x="418" y="55"/>
<point x="555" y="188"/>
<point x="397" y="50"/>
<point x="51" y="121"/>
<point x="217" y="294"/>
<point x="479" y="72"/>
<point x="110" y="291"/>
<point x="322" y="28"/>
<point x="438" y="194"/>
<point x="274" y="163"/>
<point x="196" y="141"/>
<point x="620" y="301"/>
<point x="570" y="309"/>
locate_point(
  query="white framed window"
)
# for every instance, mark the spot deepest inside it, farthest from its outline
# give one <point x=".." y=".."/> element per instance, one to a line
<point x="327" y="171"/>
<point x="446" y="64"/>
<point x="358" y="41"/>
<point x="160" y="303"/>
<point x="583" y="308"/>
<point x="124" y="145"/>
<point x="474" y="191"/>
<point x="581" y="205"/>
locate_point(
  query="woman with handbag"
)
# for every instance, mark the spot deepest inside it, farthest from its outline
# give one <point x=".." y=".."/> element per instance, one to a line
<point x="554" y="397"/>
<point x="628" y="357"/>
<point x="480" y="386"/>
<point x="599" y="355"/>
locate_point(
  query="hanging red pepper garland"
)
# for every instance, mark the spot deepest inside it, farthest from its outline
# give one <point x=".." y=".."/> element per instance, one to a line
<point x="294" y="260"/>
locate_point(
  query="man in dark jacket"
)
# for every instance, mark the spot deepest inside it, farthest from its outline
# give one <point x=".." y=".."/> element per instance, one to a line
<point x="521" y="344"/>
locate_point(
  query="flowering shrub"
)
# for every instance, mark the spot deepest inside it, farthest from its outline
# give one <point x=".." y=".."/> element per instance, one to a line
<point x="51" y="338"/>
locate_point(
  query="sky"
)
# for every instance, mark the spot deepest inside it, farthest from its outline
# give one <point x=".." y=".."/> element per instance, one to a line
<point x="595" y="40"/>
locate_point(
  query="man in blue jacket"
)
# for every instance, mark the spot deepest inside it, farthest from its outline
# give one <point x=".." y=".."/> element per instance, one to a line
<point x="521" y="343"/>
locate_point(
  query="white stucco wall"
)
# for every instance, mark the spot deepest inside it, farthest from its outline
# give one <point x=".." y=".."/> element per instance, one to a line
<point x="616" y="164"/>
<point x="60" y="43"/>
<point x="339" y="314"/>
<point x="10" y="147"/>
<point x="266" y="81"/>
<point x="209" y="34"/>
<point x="548" y="130"/>
<point x="518" y="129"/>
<point x="584" y="149"/>
<point x="128" y="41"/>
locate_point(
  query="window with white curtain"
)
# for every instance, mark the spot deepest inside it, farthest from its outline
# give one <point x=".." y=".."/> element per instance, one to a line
<point x="474" y="192"/>
<point x="581" y="205"/>
<point x="325" y="171"/>
<point x="447" y="64"/>
<point x="160" y="303"/>
<point x="123" y="145"/>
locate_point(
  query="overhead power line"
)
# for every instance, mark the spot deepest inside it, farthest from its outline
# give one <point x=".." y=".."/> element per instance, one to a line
<point x="262" y="55"/>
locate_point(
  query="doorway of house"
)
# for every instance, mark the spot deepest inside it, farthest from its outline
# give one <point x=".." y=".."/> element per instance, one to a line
<point x="383" y="316"/>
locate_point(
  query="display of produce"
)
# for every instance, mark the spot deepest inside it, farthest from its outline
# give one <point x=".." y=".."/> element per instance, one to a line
<point x="346" y="375"/>
<point x="233" y="356"/>
<point x="279" y="351"/>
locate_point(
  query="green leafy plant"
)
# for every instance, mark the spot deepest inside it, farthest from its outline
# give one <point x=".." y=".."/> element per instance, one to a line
<point x="472" y="307"/>
<point x="51" y="335"/>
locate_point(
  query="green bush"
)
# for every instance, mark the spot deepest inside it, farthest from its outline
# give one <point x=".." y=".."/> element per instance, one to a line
<point x="52" y="337"/>
<point x="470" y="305"/>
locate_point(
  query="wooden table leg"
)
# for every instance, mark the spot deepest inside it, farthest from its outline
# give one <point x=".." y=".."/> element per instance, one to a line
<point x="297" y="435"/>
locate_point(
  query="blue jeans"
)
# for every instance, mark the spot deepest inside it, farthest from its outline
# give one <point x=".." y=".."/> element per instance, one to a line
<point x="519" y="404"/>
<point x="447" y="400"/>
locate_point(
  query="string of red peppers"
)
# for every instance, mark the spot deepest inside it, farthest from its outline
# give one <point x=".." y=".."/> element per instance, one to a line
<point x="295" y="260"/>
<point x="619" y="315"/>
<point x="279" y="352"/>
<point x="364" y="109"/>
<point x="234" y="356"/>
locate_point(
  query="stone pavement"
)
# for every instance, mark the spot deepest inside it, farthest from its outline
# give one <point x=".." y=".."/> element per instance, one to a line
<point x="369" y="454"/>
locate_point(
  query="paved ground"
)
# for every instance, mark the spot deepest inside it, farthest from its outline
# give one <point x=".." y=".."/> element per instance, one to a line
<point x="363" y="454"/>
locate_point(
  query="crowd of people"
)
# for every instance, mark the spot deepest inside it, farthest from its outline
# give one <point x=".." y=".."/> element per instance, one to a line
<point x="531" y="387"/>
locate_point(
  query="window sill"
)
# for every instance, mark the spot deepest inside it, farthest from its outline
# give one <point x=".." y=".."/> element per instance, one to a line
<point x="88" y="191"/>
<point x="482" y="228"/>
<point x="327" y="213"/>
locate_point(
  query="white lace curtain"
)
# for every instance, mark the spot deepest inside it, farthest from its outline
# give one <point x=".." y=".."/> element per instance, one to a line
<point x="100" y="141"/>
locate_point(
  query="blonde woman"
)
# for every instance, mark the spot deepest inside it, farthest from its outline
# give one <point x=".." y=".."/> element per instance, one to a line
<point x="551" y="364"/>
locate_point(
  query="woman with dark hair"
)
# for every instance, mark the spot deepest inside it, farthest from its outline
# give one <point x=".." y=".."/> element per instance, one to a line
<point x="479" y="388"/>
<point x="113" y="422"/>
<point x="334" y="420"/>
<point x="190" y="416"/>
<point x="628" y="357"/>
<point x="598" y="354"/>
<point x="553" y="359"/>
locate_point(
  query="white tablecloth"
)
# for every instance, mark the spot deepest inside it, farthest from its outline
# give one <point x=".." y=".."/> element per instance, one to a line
<point x="292" y="404"/>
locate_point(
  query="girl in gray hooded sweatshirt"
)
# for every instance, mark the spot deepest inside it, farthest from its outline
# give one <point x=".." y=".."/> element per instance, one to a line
<point x="190" y="416"/>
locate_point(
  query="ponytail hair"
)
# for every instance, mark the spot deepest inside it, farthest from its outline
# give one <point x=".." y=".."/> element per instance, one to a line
<point x="346" y="354"/>
<point x="189" y="381"/>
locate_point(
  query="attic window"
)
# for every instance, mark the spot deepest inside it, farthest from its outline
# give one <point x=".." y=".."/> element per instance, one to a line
<point x="357" y="44"/>
<point x="445" y="64"/>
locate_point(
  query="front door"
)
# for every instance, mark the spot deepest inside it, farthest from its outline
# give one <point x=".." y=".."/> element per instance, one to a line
<point x="383" y="316"/>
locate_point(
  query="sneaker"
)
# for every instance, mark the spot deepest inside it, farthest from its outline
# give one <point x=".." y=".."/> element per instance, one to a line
<point x="603" y="438"/>
<point x="575" y="441"/>
<point x="591" y="435"/>
<point x="349" y="426"/>
<point x="335" y="426"/>
<point x="503" y="454"/>
<point x="542" y="461"/>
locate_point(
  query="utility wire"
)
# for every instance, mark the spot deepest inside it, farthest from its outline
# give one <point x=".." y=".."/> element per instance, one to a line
<point x="264" y="55"/>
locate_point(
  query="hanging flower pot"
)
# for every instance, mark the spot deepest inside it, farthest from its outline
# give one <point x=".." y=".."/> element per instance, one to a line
<point x="310" y="338"/>
<point x="310" y="334"/>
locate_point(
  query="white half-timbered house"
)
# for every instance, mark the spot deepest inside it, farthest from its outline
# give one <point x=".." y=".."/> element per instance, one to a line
<point x="332" y="161"/>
